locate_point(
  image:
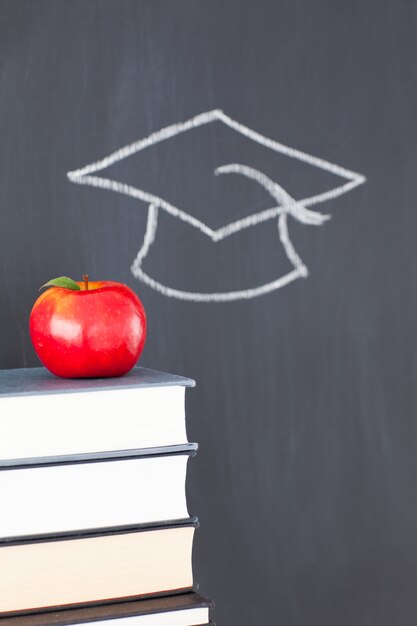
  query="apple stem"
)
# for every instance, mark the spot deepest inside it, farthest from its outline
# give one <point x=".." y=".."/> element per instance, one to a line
<point x="85" y="278"/>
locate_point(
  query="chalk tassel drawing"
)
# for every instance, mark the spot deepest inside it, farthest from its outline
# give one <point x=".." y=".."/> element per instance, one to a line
<point x="284" y="205"/>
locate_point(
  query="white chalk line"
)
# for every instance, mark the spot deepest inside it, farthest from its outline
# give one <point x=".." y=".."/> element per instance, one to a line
<point x="300" y="270"/>
<point x="279" y="194"/>
<point x="230" y="296"/>
<point x="286" y="204"/>
<point x="205" y="118"/>
<point x="140" y="194"/>
<point x="224" y="231"/>
<point x="149" y="238"/>
<point x="293" y="207"/>
<point x="290" y="251"/>
<point x="283" y="149"/>
<point x="80" y="176"/>
<point x="151" y="140"/>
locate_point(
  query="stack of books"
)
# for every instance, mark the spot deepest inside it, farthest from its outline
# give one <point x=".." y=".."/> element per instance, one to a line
<point x="94" y="523"/>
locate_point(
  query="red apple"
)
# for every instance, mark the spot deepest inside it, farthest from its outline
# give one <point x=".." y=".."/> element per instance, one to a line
<point x="88" y="329"/>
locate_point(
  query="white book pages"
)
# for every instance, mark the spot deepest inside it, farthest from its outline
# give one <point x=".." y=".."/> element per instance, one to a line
<point x="187" y="617"/>
<point x="59" y="498"/>
<point x="89" y="422"/>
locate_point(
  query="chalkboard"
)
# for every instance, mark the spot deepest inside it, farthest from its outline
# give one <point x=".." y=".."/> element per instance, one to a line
<point x="260" y="164"/>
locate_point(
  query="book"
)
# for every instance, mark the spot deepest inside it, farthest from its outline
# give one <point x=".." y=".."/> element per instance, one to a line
<point x="61" y="497"/>
<point x="60" y="571"/>
<point x="45" y="416"/>
<point x="185" y="609"/>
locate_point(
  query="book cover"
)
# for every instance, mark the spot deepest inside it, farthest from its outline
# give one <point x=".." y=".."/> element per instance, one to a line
<point x="37" y="380"/>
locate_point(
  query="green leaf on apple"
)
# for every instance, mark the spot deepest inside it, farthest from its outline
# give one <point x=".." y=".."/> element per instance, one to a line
<point x="62" y="281"/>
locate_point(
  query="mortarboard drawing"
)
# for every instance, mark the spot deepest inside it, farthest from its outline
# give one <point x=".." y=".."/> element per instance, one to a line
<point x="283" y="205"/>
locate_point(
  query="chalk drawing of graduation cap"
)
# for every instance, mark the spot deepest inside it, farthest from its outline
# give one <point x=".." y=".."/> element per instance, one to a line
<point x="282" y="204"/>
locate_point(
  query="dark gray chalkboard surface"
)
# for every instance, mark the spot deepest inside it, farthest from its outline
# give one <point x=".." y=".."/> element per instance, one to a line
<point x="306" y="400"/>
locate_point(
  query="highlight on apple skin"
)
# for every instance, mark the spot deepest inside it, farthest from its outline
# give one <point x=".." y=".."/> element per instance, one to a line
<point x="88" y="329"/>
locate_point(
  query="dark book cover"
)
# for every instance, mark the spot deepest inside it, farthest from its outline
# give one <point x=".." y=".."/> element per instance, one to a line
<point x="38" y="380"/>
<point x="98" y="457"/>
<point x="97" y="532"/>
